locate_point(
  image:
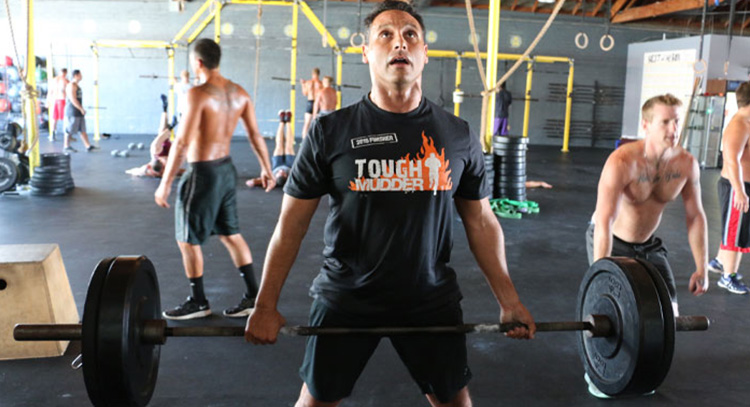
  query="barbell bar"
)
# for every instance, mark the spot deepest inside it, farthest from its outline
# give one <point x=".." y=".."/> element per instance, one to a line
<point x="625" y="332"/>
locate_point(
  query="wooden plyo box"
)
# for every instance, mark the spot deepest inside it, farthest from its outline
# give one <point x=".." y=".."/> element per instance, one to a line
<point x="34" y="289"/>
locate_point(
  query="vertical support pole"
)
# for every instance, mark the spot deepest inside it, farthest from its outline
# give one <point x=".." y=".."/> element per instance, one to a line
<point x="493" y="34"/>
<point x="527" y="102"/>
<point x="339" y="74"/>
<point x="459" y="68"/>
<point x="568" y="108"/>
<point x="95" y="50"/>
<point x="170" y="75"/>
<point x="50" y="81"/>
<point x="32" y="131"/>
<point x="293" y="69"/>
<point x="217" y="22"/>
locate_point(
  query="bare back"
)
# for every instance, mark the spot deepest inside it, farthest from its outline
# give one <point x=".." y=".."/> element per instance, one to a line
<point x="214" y="109"/>
<point x="311" y="88"/>
<point x="327" y="99"/>
<point x="60" y="83"/>
<point x="737" y="142"/>
<point x="641" y="189"/>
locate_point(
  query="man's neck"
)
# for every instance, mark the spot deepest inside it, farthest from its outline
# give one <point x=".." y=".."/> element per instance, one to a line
<point x="654" y="153"/>
<point x="744" y="112"/>
<point x="396" y="99"/>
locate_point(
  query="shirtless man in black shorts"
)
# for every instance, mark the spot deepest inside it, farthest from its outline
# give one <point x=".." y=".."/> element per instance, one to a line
<point x="310" y="88"/>
<point x="206" y="201"/>
<point x="638" y="180"/>
<point x="389" y="233"/>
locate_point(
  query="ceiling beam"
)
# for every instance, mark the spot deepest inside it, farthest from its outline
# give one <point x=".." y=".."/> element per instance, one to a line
<point x="575" y="9"/>
<point x="596" y="9"/>
<point x="617" y="6"/>
<point x="657" y="9"/>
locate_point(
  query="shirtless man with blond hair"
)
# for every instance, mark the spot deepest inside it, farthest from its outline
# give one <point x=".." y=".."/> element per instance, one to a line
<point x="206" y="202"/>
<point x="637" y="182"/>
<point x="325" y="102"/>
<point x="310" y="88"/>
<point x="734" y="187"/>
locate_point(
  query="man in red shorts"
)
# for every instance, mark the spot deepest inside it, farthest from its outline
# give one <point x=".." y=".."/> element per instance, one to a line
<point x="57" y="99"/>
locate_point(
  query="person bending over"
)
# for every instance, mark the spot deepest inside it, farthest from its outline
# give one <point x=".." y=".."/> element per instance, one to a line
<point x="159" y="149"/>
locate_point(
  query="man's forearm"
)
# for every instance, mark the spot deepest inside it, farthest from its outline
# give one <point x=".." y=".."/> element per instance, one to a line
<point x="261" y="152"/>
<point x="698" y="238"/>
<point x="602" y="240"/>
<point x="735" y="174"/>
<point x="174" y="161"/>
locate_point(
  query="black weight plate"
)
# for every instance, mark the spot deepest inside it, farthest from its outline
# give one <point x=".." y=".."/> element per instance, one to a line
<point x="658" y="372"/>
<point x="127" y="367"/>
<point x="510" y="171"/>
<point x="502" y="179"/>
<point x="54" y="159"/>
<point x="8" y="174"/>
<point x="510" y="154"/>
<point x="510" y="140"/>
<point x="52" y="170"/>
<point x="511" y="160"/>
<point x="90" y="332"/>
<point x="50" y="179"/>
<point x="623" y="290"/>
<point x="49" y="191"/>
<point x="8" y="143"/>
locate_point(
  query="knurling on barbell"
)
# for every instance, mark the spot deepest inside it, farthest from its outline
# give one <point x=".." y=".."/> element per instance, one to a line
<point x="626" y="329"/>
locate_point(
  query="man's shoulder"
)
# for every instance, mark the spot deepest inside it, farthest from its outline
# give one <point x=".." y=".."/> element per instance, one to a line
<point x="440" y="113"/>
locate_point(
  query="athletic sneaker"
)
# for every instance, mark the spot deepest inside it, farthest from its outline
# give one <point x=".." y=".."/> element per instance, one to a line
<point x="594" y="391"/>
<point x="164" y="102"/>
<point x="288" y="116"/>
<point x="91" y="148"/>
<point x="715" y="266"/>
<point x="282" y="115"/>
<point x="243" y="309"/>
<point x="69" y="150"/>
<point x="189" y="309"/>
<point x="732" y="285"/>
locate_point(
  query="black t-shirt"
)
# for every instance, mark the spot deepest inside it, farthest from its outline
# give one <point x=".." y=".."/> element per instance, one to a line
<point x="391" y="179"/>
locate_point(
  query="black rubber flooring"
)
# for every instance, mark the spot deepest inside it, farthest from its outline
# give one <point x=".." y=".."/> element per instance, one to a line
<point x="111" y="213"/>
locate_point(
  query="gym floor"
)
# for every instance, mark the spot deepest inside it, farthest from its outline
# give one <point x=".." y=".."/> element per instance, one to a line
<point x="111" y="213"/>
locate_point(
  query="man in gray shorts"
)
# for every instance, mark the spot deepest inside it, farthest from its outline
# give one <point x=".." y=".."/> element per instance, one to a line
<point x="75" y="120"/>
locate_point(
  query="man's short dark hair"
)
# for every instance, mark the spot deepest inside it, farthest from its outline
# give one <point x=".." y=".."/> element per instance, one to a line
<point x="743" y="95"/>
<point x="76" y="72"/>
<point x="64" y="70"/>
<point x="393" y="5"/>
<point x="208" y="52"/>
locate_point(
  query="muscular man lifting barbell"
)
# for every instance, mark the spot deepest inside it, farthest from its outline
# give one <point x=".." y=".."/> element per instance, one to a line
<point x="393" y="165"/>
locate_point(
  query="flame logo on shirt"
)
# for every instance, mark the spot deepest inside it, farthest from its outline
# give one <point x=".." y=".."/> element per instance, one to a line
<point x="427" y="171"/>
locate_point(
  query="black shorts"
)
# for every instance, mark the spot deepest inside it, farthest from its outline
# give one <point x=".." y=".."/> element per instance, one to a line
<point x="652" y="250"/>
<point x="310" y="106"/>
<point x="206" y="201"/>
<point x="437" y="363"/>
<point x="735" y="225"/>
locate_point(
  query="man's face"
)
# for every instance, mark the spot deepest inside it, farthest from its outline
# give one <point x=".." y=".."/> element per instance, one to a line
<point x="78" y="77"/>
<point x="396" y="51"/>
<point x="664" y="125"/>
<point x="194" y="63"/>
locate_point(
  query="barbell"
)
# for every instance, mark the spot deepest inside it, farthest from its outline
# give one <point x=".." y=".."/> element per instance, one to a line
<point x="626" y="329"/>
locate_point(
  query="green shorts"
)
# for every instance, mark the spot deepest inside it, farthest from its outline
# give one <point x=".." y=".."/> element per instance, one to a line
<point x="437" y="363"/>
<point x="207" y="201"/>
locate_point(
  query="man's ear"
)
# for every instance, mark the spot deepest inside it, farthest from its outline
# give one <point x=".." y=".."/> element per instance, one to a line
<point x="364" y="54"/>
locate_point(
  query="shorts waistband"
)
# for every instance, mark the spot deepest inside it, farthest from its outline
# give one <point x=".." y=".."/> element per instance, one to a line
<point x="648" y="241"/>
<point x="726" y="181"/>
<point x="211" y="163"/>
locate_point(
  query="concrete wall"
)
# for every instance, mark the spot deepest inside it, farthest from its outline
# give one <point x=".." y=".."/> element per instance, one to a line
<point x="714" y="53"/>
<point x="132" y="106"/>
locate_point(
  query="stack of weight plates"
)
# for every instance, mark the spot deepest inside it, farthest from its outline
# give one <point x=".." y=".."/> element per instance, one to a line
<point x="52" y="177"/>
<point x="510" y="167"/>
<point x="489" y="171"/>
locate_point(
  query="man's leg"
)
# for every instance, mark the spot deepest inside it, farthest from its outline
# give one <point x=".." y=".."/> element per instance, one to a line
<point x="462" y="399"/>
<point x="243" y="260"/>
<point x="238" y="249"/>
<point x="288" y="141"/>
<point x="52" y="127"/>
<point x="307" y="400"/>
<point x="278" y="149"/>
<point x="308" y="119"/>
<point x="85" y="140"/>
<point x="196" y="305"/>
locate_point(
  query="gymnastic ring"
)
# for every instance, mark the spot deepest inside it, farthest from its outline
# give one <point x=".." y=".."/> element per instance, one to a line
<point x="703" y="66"/>
<point x="355" y="35"/>
<point x="611" y="42"/>
<point x="585" y="40"/>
